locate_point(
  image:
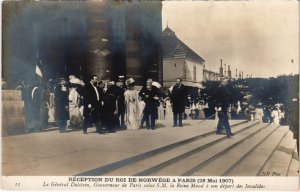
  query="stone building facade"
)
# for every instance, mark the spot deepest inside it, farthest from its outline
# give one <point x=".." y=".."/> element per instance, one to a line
<point x="105" y="38"/>
<point x="180" y="61"/>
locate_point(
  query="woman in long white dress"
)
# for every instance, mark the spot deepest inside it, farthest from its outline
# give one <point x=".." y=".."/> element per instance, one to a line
<point x="169" y="112"/>
<point x="76" y="119"/>
<point x="259" y="113"/>
<point x="275" y="115"/>
<point x="132" y="105"/>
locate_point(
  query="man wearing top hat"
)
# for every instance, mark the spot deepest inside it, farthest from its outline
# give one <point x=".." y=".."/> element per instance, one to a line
<point x="110" y="114"/>
<point x="150" y="95"/>
<point x="61" y="105"/>
<point x="36" y="104"/>
<point x="92" y="102"/>
<point x="223" y="102"/>
<point x="178" y="98"/>
<point x="121" y="102"/>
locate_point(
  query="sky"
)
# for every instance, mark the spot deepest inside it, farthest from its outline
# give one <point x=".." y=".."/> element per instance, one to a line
<point x="257" y="37"/>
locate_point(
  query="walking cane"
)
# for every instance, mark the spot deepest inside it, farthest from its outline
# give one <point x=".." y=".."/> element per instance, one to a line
<point x="207" y="118"/>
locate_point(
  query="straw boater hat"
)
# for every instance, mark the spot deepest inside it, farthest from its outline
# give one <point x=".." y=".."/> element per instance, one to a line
<point x="129" y="81"/>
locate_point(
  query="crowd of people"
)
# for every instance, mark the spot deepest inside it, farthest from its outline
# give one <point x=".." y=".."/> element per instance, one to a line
<point x="73" y="104"/>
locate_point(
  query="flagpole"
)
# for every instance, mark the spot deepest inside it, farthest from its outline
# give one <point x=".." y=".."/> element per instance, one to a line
<point x="38" y="68"/>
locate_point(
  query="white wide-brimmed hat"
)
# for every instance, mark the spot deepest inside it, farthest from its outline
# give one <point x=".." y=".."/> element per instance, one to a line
<point x="156" y="84"/>
<point x="75" y="80"/>
<point x="129" y="81"/>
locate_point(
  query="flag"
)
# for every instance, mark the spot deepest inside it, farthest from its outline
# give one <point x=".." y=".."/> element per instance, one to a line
<point x="38" y="67"/>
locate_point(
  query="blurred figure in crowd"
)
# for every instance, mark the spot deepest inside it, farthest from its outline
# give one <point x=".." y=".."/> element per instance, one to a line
<point x="62" y="105"/>
<point x="259" y="112"/>
<point x="267" y="115"/>
<point x="121" y="102"/>
<point x="222" y="100"/>
<point x="110" y="107"/>
<point x="36" y="106"/>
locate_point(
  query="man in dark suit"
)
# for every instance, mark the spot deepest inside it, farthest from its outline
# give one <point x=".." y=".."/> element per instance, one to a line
<point x="92" y="102"/>
<point x="178" y="96"/>
<point x="121" y="102"/>
<point x="110" y="107"/>
<point x="27" y="98"/>
<point x="150" y="95"/>
<point x="36" y="106"/>
<point x="223" y="102"/>
<point x="61" y="105"/>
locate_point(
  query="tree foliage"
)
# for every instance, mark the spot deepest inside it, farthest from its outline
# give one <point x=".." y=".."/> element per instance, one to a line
<point x="251" y="91"/>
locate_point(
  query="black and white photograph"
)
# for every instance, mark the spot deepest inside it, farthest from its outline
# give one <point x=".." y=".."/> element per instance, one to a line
<point x="150" y="95"/>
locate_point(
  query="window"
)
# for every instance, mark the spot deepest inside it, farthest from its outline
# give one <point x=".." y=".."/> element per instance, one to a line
<point x="174" y="64"/>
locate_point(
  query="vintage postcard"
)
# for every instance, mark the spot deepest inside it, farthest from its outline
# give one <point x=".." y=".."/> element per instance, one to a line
<point x="150" y="95"/>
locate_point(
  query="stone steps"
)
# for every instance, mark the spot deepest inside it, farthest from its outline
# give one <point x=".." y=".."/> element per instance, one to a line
<point x="12" y="109"/>
<point x="194" y="162"/>
<point x="294" y="164"/>
<point x="157" y="161"/>
<point x="231" y="158"/>
<point x="13" y="125"/>
<point x="103" y="170"/>
<point x="280" y="160"/>
<point x="254" y="150"/>
<point x="253" y="164"/>
<point x="11" y="95"/>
